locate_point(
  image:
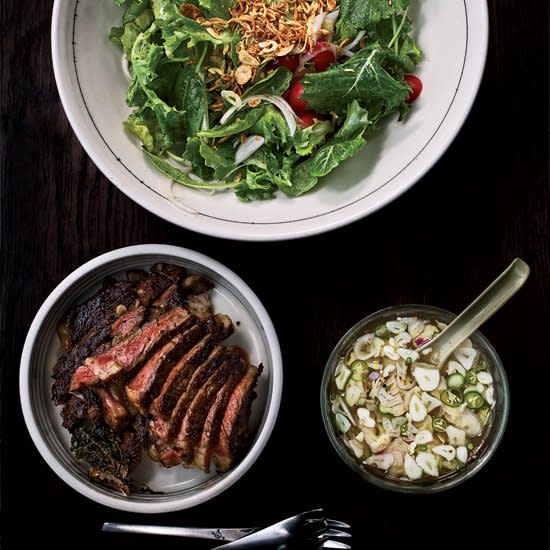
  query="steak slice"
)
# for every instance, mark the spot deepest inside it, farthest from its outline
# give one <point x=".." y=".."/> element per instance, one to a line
<point x="196" y="284"/>
<point x="173" y="272"/>
<point x="81" y="407"/>
<point x="132" y="352"/>
<point x="151" y="288"/>
<point x="148" y="381"/>
<point x="211" y="428"/>
<point x="193" y="423"/>
<point x="171" y="298"/>
<point x="127" y="323"/>
<point x="219" y="327"/>
<point x="97" y="312"/>
<point x="114" y="412"/>
<point x="233" y="434"/>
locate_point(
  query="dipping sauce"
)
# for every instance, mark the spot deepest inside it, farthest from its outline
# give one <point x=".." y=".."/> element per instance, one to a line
<point x="402" y="416"/>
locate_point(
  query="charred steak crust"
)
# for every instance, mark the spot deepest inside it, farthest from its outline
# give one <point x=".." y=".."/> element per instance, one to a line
<point x="171" y="298"/>
<point x="147" y="383"/>
<point x="151" y="288"/>
<point x="129" y="354"/>
<point x="127" y="323"/>
<point x="234" y="426"/>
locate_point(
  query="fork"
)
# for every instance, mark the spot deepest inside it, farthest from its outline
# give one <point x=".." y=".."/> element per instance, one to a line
<point x="310" y="528"/>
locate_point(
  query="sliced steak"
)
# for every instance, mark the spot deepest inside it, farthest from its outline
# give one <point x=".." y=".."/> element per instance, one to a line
<point x="126" y="324"/>
<point x="170" y="299"/>
<point x="151" y="288"/>
<point x="211" y="428"/>
<point x="134" y="441"/>
<point x="233" y="434"/>
<point x="148" y="381"/>
<point x="192" y="425"/>
<point x="97" y="312"/>
<point x="218" y="328"/>
<point x="114" y="412"/>
<point x="132" y="352"/>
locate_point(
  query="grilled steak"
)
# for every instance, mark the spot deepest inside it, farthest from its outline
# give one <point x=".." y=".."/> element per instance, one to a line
<point x="171" y="298"/>
<point x="196" y="284"/>
<point x="234" y="427"/>
<point x="81" y="407"/>
<point x="211" y="428"/>
<point x="174" y="272"/>
<point x="148" y="381"/>
<point x="126" y="324"/>
<point x="100" y="310"/>
<point x="193" y="422"/>
<point x="151" y="288"/>
<point x="132" y="352"/>
<point x="219" y="328"/>
<point x="200" y="305"/>
<point x="114" y="412"/>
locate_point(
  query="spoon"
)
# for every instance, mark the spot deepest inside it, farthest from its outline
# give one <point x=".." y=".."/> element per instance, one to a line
<point x="481" y="309"/>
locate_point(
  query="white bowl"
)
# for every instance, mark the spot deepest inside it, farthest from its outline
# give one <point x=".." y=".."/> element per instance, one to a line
<point x="453" y="36"/>
<point x="181" y="488"/>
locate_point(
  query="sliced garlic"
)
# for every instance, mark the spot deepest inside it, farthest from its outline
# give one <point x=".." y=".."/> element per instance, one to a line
<point x="448" y="452"/>
<point x="411" y="354"/>
<point x="342" y="376"/>
<point x="462" y="454"/>
<point x="423" y="437"/>
<point x="466" y="357"/>
<point x="455" y="366"/>
<point x="490" y="395"/>
<point x="382" y="462"/>
<point x="395" y="327"/>
<point x="365" y="418"/>
<point x="362" y="345"/>
<point x="484" y="377"/>
<point x="342" y="423"/>
<point x="416" y="327"/>
<point x="428" y="463"/>
<point x="412" y="469"/>
<point x="353" y="392"/>
<point x="390" y="353"/>
<point x="430" y="401"/>
<point x="427" y="378"/>
<point x="417" y="409"/>
<point x="402" y="339"/>
<point x="357" y="448"/>
<point x="456" y="437"/>
<point x="360" y="437"/>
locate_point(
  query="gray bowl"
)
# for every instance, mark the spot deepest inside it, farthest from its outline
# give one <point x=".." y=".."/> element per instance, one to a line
<point x="178" y="488"/>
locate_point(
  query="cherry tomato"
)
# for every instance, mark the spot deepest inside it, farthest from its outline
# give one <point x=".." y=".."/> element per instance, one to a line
<point x="416" y="87"/>
<point x="294" y="97"/>
<point x="308" y="118"/>
<point x="323" y="56"/>
<point x="291" y="62"/>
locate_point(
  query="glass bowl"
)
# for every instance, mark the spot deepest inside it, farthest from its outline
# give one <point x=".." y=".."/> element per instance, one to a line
<point x="494" y="431"/>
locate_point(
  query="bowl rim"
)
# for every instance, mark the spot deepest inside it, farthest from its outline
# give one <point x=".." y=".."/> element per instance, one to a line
<point x="269" y="416"/>
<point x="476" y="48"/>
<point x="437" y="485"/>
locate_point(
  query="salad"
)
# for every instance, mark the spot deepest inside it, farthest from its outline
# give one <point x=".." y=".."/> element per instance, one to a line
<point x="261" y="96"/>
<point x="405" y="417"/>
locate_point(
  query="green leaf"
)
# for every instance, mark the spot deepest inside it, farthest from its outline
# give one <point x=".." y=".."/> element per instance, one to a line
<point x="190" y="90"/>
<point x="307" y="139"/>
<point x="182" y="178"/>
<point x="357" y="15"/>
<point x="240" y="124"/>
<point x="305" y="175"/>
<point x="272" y="126"/>
<point x="275" y="83"/>
<point x="356" y="122"/>
<point x="213" y="159"/>
<point x="363" y="78"/>
<point x="134" y="9"/>
<point x="193" y="155"/>
<point x="136" y="124"/>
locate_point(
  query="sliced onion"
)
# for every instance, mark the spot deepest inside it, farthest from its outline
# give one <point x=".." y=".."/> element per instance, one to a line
<point x="317" y="24"/>
<point x="248" y="148"/>
<point x="333" y="15"/>
<point x="126" y="68"/>
<point x="229" y="113"/>
<point x="356" y="40"/>
<point x="232" y="98"/>
<point x="166" y="191"/>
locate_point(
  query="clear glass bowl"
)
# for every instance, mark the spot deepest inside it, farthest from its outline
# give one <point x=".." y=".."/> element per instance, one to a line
<point x="494" y="431"/>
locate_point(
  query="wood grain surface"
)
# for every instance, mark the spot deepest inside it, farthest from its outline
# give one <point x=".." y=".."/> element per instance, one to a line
<point x="484" y="203"/>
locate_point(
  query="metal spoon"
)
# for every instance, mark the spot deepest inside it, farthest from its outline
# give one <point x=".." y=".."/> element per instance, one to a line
<point x="481" y="309"/>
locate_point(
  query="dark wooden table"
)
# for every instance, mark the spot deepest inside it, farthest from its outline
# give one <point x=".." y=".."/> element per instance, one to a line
<point x="484" y="203"/>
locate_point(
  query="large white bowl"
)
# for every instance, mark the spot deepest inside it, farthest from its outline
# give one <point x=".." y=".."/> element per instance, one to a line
<point x="181" y="488"/>
<point x="453" y="35"/>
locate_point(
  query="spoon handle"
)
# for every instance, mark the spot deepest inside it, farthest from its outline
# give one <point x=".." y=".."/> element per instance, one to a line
<point x="481" y="309"/>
